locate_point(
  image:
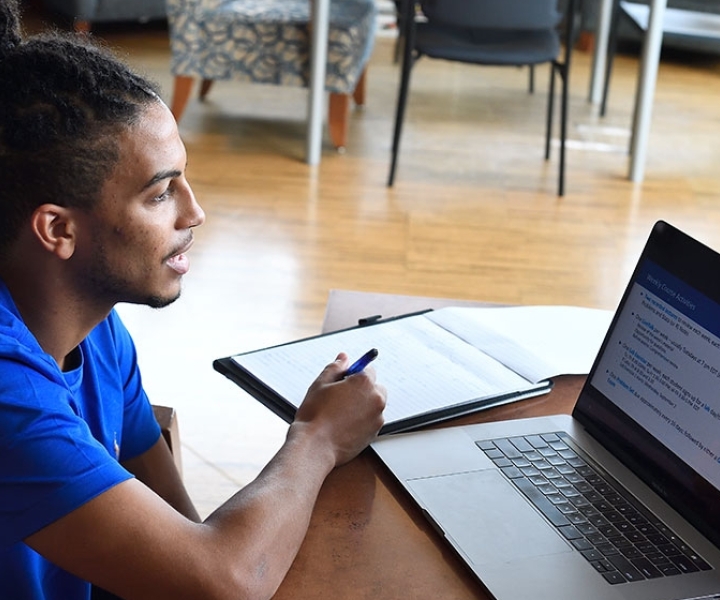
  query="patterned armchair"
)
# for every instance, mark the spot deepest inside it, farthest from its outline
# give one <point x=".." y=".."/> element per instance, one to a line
<point x="268" y="41"/>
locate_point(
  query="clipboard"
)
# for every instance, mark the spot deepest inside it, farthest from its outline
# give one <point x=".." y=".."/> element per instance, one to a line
<point x="278" y="376"/>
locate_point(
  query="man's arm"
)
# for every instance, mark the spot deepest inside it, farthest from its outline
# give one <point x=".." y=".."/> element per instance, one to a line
<point x="157" y="470"/>
<point x="131" y="542"/>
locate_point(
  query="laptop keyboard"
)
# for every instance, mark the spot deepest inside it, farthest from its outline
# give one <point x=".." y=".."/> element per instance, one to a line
<point x="620" y="538"/>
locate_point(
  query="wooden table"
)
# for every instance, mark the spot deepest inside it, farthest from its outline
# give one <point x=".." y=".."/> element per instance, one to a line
<point x="367" y="540"/>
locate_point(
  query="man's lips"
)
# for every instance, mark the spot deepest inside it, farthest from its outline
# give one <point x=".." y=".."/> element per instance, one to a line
<point x="179" y="261"/>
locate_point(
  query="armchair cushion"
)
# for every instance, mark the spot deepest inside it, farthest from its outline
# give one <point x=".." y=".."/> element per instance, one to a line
<point x="267" y="41"/>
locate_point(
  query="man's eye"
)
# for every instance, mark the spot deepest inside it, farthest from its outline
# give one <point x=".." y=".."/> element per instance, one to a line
<point x="164" y="196"/>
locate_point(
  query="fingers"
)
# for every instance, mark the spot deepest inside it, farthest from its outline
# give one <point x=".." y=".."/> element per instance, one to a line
<point x="335" y="371"/>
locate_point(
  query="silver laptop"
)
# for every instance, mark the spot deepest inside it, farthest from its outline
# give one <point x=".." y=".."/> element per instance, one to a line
<point x="619" y="500"/>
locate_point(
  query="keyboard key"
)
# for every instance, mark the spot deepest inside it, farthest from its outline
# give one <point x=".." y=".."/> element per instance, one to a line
<point x="541" y="502"/>
<point x="593" y="555"/>
<point x="512" y="472"/>
<point x="493" y="453"/>
<point x="588" y="530"/>
<point x="508" y="449"/>
<point x="485" y="444"/>
<point x="602" y="566"/>
<point x="668" y="569"/>
<point x="581" y="544"/>
<point x="699" y="562"/>
<point x="613" y="577"/>
<point x="599" y="521"/>
<point x="521" y="444"/>
<point x="683" y="563"/>
<point x="646" y="568"/>
<point x="625" y="567"/>
<point x="533" y="456"/>
<point x="530" y="471"/>
<point x="570" y="532"/>
<point x="594" y="538"/>
<point x="607" y="549"/>
<point x="536" y="441"/>
<point x="576" y="518"/>
<point x="631" y="552"/>
<point x="588" y="511"/>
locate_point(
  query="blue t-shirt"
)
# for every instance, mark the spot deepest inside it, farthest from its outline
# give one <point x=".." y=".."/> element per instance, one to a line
<point x="62" y="435"/>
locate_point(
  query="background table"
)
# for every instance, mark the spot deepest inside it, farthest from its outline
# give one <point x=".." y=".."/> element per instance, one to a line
<point x="647" y="79"/>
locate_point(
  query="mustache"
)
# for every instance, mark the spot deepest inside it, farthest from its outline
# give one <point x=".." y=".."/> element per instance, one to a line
<point x="184" y="246"/>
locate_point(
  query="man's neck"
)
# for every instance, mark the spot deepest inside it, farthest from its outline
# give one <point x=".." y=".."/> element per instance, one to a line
<point x="58" y="319"/>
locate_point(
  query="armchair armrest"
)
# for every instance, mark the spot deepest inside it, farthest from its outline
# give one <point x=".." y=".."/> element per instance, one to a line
<point x="167" y="419"/>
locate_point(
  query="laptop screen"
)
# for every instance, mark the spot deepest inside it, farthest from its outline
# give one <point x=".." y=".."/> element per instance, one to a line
<point x="653" y="395"/>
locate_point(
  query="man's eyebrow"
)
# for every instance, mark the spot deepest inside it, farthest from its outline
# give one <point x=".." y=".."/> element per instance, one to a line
<point x="160" y="176"/>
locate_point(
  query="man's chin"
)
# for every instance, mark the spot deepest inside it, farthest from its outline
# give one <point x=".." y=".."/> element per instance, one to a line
<point x="152" y="301"/>
<point x="160" y="301"/>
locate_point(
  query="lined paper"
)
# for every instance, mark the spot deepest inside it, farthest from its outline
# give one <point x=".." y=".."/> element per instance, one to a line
<point x="446" y="357"/>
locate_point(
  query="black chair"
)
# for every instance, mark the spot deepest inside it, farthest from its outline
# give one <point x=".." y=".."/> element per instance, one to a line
<point x="488" y="32"/>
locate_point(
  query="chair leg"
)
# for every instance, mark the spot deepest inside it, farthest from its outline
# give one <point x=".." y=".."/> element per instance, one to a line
<point x="181" y="95"/>
<point x="408" y="8"/>
<point x="205" y="88"/>
<point x="399" y="117"/>
<point x="81" y="26"/>
<point x="612" y="49"/>
<point x="563" y="70"/>
<point x="531" y="80"/>
<point x="338" y="113"/>
<point x="550" y="111"/>
<point x="564" y="74"/>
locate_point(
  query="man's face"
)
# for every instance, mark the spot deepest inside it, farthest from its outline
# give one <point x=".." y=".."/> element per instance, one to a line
<point x="132" y="245"/>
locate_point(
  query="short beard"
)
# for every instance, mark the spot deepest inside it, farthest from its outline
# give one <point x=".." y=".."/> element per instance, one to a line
<point x="102" y="283"/>
<point x="157" y="301"/>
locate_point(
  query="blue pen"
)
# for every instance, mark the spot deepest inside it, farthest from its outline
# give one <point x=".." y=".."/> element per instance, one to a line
<point x="361" y="362"/>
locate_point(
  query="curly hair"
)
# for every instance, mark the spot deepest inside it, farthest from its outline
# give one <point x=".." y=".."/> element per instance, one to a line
<point x="63" y="100"/>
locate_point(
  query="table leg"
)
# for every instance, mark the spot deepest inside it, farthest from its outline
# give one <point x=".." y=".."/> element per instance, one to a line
<point x="320" y="23"/>
<point x="601" y="50"/>
<point x="646" y="90"/>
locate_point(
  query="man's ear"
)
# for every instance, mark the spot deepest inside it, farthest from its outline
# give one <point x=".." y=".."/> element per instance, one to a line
<point x="54" y="227"/>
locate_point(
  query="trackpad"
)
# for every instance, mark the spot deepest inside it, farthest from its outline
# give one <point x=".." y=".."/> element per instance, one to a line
<point x="485" y="517"/>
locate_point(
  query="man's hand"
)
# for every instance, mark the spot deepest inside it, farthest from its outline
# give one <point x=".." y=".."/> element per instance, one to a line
<point x="346" y="413"/>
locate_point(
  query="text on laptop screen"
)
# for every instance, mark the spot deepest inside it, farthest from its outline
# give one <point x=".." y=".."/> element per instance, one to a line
<point x="661" y="367"/>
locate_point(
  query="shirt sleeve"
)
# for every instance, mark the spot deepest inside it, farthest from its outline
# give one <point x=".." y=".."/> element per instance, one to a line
<point x="50" y="464"/>
<point x="140" y="428"/>
<point x="62" y="435"/>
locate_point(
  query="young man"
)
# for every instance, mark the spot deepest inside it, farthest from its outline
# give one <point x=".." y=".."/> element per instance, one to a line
<point x="95" y="210"/>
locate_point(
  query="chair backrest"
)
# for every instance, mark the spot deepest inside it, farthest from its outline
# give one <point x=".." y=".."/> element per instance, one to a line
<point x="493" y="14"/>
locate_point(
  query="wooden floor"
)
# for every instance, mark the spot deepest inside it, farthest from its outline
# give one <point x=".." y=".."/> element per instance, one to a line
<point x="474" y="214"/>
